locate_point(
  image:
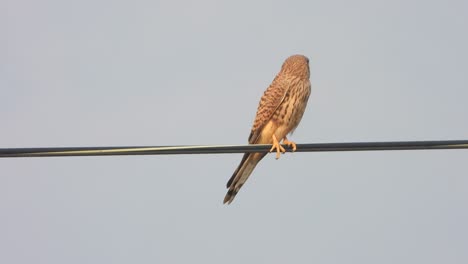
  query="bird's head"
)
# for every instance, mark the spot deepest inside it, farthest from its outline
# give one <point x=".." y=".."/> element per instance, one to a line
<point x="296" y="65"/>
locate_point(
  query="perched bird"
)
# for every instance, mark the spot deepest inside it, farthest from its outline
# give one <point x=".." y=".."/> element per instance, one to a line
<point x="279" y="112"/>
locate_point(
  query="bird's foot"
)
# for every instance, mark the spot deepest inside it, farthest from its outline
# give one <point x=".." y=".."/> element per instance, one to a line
<point x="290" y="144"/>
<point x="278" y="147"/>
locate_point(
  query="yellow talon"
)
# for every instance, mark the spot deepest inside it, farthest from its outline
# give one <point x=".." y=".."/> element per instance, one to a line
<point x="278" y="147"/>
<point x="290" y="144"/>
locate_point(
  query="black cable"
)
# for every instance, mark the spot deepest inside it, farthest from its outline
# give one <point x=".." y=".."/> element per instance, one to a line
<point x="221" y="149"/>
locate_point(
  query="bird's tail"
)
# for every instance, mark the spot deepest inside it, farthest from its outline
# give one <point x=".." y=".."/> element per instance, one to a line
<point x="241" y="174"/>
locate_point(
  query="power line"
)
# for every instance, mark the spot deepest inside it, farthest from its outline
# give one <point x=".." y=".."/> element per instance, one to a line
<point x="223" y="149"/>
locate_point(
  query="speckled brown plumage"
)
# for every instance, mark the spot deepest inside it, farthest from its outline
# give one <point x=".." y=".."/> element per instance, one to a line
<point x="279" y="112"/>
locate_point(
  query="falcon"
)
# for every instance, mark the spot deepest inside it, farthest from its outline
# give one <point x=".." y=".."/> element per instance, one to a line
<point x="279" y="112"/>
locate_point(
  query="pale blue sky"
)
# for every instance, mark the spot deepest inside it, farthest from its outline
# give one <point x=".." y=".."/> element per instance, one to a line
<point x="104" y="73"/>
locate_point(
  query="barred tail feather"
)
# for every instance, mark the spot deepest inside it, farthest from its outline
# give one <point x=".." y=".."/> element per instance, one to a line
<point x="242" y="173"/>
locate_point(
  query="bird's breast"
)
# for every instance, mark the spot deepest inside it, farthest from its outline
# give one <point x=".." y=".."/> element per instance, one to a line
<point x="292" y="108"/>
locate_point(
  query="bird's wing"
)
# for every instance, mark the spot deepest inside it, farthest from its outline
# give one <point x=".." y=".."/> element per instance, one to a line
<point x="269" y="103"/>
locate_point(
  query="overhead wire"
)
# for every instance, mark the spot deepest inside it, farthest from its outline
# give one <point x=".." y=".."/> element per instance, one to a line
<point x="225" y="149"/>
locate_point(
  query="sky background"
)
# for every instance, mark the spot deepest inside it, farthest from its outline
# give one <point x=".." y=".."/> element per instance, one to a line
<point x="115" y="73"/>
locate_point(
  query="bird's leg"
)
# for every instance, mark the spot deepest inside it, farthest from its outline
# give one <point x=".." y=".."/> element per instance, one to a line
<point x="277" y="146"/>
<point x="289" y="143"/>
